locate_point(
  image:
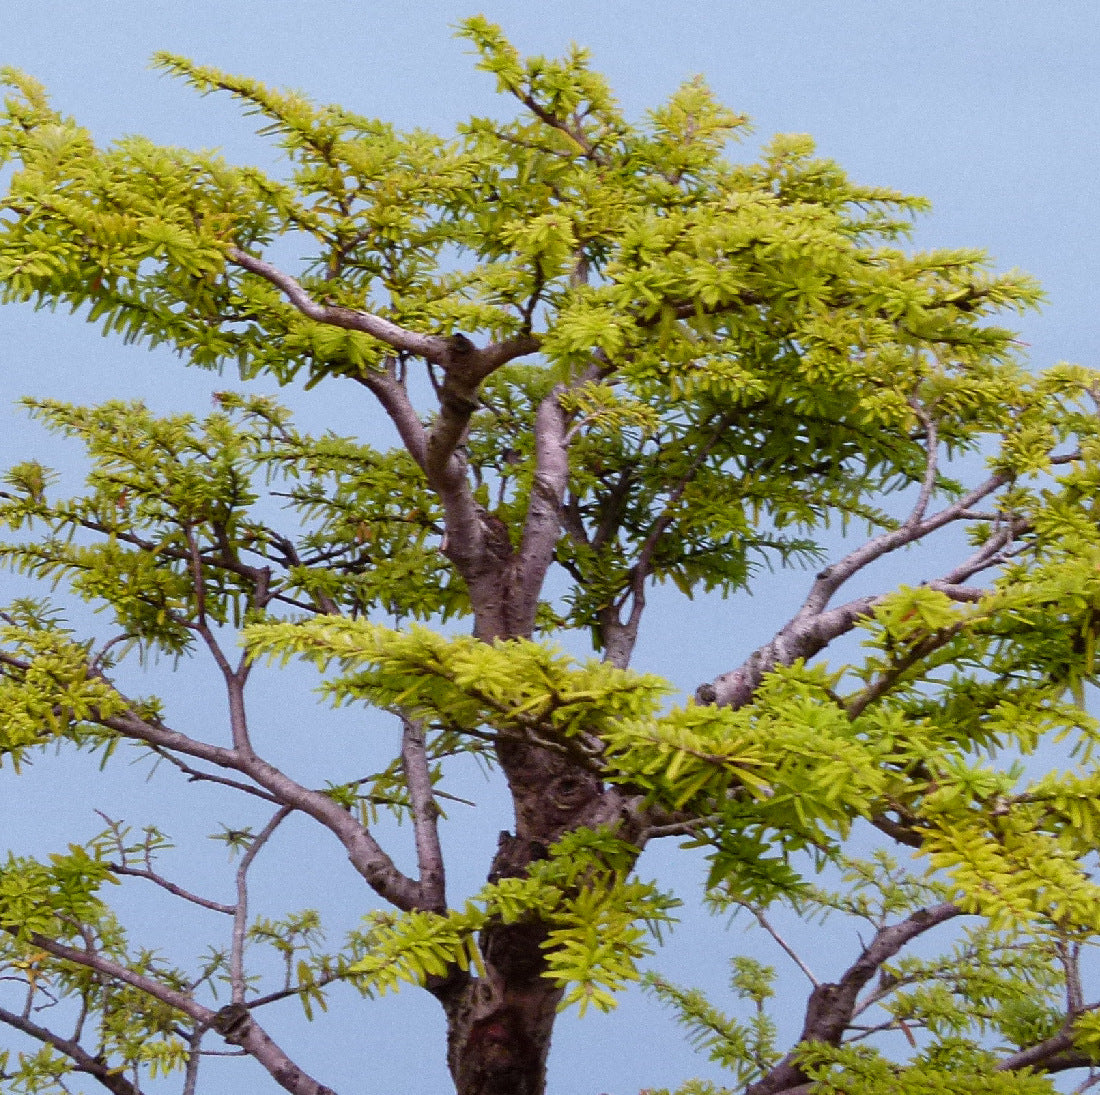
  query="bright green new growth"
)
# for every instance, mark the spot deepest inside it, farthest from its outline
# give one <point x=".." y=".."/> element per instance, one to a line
<point x="612" y="356"/>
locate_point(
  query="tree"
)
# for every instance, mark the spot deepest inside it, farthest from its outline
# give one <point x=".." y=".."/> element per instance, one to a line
<point x="612" y="358"/>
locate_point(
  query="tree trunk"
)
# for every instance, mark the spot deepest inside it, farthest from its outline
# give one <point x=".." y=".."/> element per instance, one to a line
<point x="499" y="1026"/>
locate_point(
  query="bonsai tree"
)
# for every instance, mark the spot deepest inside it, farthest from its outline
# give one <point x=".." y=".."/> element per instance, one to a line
<point x="609" y="357"/>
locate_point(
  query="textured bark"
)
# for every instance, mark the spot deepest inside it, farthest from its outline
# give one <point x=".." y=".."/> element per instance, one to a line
<point x="500" y="1026"/>
<point x="500" y="1023"/>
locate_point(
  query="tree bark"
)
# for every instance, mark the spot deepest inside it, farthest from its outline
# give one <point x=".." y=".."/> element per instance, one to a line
<point x="500" y="1026"/>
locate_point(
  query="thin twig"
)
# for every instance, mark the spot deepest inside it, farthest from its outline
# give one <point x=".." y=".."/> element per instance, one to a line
<point x="763" y="921"/>
<point x="240" y="913"/>
<point x="172" y="888"/>
<point x="196" y="776"/>
<point x="931" y="466"/>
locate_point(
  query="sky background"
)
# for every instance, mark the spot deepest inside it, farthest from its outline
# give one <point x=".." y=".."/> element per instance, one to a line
<point x="989" y="108"/>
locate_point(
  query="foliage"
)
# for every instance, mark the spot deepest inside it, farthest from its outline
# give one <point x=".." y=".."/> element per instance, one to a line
<point x="611" y="358"/>
<point x="989" y="996"/>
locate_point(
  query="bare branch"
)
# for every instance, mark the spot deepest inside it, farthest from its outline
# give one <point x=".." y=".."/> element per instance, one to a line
<point x="319" y="981"/>
<point x="195" y="776"/>
<point x="240" y="913"/>
<point x="364" y="852"/>
<point x="425" y="813"/>
<point x="115" y="971"/>
<point x="904" y="833"/>
<point x="171" y="887"/>
<point x="431" y="347"/>
<point x="1055" y="1054"/>
<point x="763" y="921"/>
<point x="542" y="526"/>
<point x="916" y="528"/>
<point x="1092" y="1078"/>
<point x="812" y="628"/>
<point x="1069" y="956"/>
<point x="436" y="348"/>
<point x="394" y="400"/>
<point x="233" y="1022"/>
<point x="932" y="444"/>
<point x="194" y="1059"/>
<point x="471" y="541"/>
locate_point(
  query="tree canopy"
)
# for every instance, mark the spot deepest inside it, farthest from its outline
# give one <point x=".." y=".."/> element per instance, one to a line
<point x="610" y="357"/>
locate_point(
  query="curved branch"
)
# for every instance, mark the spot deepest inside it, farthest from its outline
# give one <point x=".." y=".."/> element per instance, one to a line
<point x="364" y="852"/>
<point x="195" y="776"/>
<point x="475" y="365"/>
<point x="172" y="888"/>
<point x="237" y="981"/>
<point x="478" y="549"/>
<point x="832" y="1005"/>
<point x="812" y="627"/>
<point x="916" y="528"/>
<point x="1056" y="1054"/>
<point x="431" y="347"/>
<point x="928" y="484"/>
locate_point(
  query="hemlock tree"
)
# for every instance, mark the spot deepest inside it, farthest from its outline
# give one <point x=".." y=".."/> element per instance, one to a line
<point x="612" y="358"/>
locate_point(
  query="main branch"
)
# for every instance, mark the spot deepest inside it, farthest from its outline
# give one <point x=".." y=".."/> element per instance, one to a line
<point x="814" y="626"/>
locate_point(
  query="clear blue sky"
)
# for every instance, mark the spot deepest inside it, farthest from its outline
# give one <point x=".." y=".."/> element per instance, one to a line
<point x="991" y="108"/>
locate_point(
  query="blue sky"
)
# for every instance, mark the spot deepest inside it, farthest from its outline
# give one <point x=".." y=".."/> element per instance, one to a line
<point x="987" y="107"/>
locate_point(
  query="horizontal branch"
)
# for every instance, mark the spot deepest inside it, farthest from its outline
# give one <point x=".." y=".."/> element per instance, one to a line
<point x="439" y="349"/>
